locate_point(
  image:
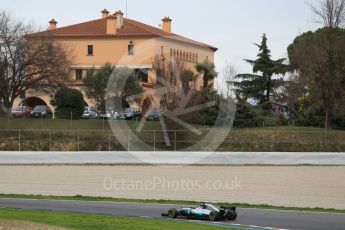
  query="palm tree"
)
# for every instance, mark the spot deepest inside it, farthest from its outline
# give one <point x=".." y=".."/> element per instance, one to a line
<point x="187" y="76"/>
<point x="207" y="69"/>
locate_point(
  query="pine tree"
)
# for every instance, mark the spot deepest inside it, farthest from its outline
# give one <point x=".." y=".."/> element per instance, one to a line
<point x="260" y="87"/>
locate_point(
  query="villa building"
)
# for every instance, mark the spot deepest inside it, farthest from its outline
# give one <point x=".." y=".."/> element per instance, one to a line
<point x="124" y="43"/>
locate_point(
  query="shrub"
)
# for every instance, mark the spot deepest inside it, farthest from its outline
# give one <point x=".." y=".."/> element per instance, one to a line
<point x="248" y="115"/>
<point x="207" y="116"/>
<point x="68" y="103"/>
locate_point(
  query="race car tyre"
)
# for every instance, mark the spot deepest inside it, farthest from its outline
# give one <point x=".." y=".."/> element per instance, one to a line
<point x="213" y="216"/>
<point x="172" y="213"/>
<point x="232" y="216"/>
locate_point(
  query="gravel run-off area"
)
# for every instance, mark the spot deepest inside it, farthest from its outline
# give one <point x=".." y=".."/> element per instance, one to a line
<point x="292" y="186"/>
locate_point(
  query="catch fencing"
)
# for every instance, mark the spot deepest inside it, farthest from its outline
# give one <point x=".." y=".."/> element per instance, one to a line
<point x="172" y="140"/>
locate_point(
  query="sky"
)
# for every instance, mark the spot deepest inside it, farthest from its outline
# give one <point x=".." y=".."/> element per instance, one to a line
<point x="231" y="25"/>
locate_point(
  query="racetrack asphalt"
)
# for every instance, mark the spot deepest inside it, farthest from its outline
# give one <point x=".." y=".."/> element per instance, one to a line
<point x="247" y="218"/>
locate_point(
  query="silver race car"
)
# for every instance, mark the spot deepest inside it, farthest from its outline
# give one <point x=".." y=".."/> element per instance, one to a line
<point x="204" y="211"/>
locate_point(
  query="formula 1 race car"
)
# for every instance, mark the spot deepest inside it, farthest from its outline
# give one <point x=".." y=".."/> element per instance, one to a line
<point x="204" y="211"/>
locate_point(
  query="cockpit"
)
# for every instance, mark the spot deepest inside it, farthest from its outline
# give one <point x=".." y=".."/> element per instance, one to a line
<point x="209" y="207"/>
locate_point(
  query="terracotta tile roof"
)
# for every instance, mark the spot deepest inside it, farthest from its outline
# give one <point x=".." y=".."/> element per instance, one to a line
<point x="97" y="28"/>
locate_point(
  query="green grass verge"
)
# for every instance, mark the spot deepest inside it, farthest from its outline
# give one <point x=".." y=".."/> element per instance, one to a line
<point x="175" y="202"/>
<point x="92" y="222"/>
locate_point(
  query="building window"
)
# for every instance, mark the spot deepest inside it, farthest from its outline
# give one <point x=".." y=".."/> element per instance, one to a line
<point x="131" y="48"/>
<point x="143" y="75"/>
<point x="79" y="74"/>
<point x="162" y="51"/>
<point x="90" y="50"/>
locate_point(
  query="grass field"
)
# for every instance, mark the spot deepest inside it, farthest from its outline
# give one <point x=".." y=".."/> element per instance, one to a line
<point x="175" y="202"/>
<point x="96" y="135"/>
<point x="57" y="124"/>
<point x="92" y="222"/>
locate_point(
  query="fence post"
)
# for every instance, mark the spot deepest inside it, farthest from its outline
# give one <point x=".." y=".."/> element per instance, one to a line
<point x="326" y="127"/>
<point x="129" y="140"/>
<point x="175" y="140"/>
<point x="71" y="120"/>
<point x="109" y="141"/>
<point x="50" y="140"/>
<point x="154" y="141"/>
<point x="19" y="147"/>
<point x="320" y="139"/>
<point x="8" y="121"/>
<point x="325" y="137"/>
<point x="78" y="141"/>
<point x="41" y="121"/>
<point x="299" y="138"/>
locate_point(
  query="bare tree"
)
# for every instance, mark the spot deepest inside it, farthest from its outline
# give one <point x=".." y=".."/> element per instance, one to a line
<point x="229" y="74"/>
<point x="319" y="57"/>
<point x="331" y="13"/>
<point x="169" y="78"/>
<point x="29" y="62"/>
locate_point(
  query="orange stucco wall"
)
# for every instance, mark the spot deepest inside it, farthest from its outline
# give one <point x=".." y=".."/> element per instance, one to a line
<point x="115" y="51"/>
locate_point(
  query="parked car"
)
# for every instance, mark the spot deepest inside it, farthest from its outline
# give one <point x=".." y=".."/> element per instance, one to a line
<point x="106" y="115"/>
<point x="153" y="115"/>
<point x="111" y="113"/>
<point x="42" y="111"/>
<point x="130" y="114"/>
<point x="21" y="111"/>
<point x="116" y="115"/>
<point x="89" y="113"/>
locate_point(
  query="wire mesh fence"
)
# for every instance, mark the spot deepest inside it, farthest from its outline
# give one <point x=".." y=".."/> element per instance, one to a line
<point x="170" y="140"/>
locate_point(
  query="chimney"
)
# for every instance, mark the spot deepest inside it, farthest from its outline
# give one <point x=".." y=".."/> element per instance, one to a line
<point x="119" y="19"/>
<point x="166" y="27"/>
<point x="111" y="25"/>
<point x="53" y="24"/>
<point x="105" y="13"/>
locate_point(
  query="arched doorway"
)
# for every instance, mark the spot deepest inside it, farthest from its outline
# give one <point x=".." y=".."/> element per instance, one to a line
<point x="32" y="102"/>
